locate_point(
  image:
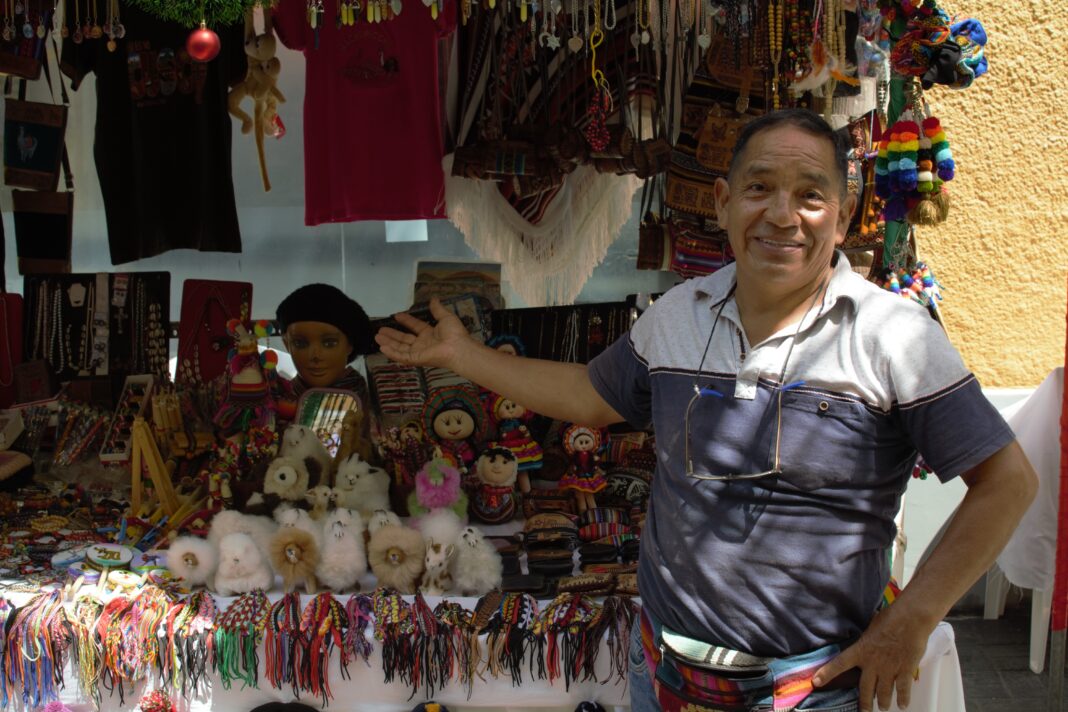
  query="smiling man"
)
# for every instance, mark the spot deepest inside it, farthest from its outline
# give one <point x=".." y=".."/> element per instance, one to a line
<point x="790" y="399"/>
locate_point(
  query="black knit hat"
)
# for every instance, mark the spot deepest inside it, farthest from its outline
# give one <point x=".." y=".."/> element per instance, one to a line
<point x="322" y="302"/>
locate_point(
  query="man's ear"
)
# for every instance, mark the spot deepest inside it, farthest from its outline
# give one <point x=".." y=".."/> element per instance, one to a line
<point x="845" y="216"/>
<point x="722" y="193"/>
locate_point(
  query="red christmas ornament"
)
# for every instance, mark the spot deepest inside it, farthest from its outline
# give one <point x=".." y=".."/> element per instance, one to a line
<point x="203" y="44"/>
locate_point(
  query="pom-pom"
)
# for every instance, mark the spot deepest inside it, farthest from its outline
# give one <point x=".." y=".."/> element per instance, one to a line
<point x="156" y="701"/>
<point x="269" y="359"/>
<point x="261" y="329"/>
<point x="895" y="208"/>
<point x="55" y="706"/>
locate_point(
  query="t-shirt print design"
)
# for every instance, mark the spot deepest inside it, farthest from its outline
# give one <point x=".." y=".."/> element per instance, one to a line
<point x="369" y="57"/>
<point x="157" y="75"/>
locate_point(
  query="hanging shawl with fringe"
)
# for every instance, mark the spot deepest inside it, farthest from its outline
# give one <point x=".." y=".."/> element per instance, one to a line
<point x="522" y="111"/>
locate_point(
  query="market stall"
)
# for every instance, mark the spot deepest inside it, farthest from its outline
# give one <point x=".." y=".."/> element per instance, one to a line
<point x="380" y="535"/>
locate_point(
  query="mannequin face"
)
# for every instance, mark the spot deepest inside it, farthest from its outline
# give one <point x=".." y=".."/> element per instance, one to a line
<point x="320" y="352"/>
<point x="509" y="409"/>
<point x="497" y="470"/>
<point x="454" y="424"/>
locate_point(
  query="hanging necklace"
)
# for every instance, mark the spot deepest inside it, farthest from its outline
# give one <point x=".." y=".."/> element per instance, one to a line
<point x="27" y="28"/>
<point x="704" y="19"/>
<point x="575" y="43"/>
<point x="775" y="12"/>
<point x="96" y="32"/>
<point x="8" y="32"/>
<point x="56" y="346"/>
<point x="609" y="14"/>
<point x="41" y="31"/>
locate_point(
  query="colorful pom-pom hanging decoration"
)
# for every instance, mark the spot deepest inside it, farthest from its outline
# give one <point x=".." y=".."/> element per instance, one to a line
<point x="914" y="161"/>
<point x="917" y="284"/>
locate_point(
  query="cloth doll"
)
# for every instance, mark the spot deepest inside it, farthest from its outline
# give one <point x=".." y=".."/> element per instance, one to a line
<point x="404" y="451"/>
<point x="454" y="421"/>
<point x="510" y="419"/>
<point x="249" y="400"/>
<point x="494" y="502"/>
<point x="584" y="475"/>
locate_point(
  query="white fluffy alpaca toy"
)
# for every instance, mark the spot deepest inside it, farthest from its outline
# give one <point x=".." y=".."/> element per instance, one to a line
<point x="242" y="566"/>
<point x="442" y="525"/>
<point x="299" y="518"/>
<point x="300" y="442"/>
<point x="322" y="499"/>
<point x="193" y="560"/>
<point x="476" y="568"/>
<point x="361" y="486"/>
<point x="230" y="521"/>
<point x="342" y="559"/>
<point x="381" y="518"/>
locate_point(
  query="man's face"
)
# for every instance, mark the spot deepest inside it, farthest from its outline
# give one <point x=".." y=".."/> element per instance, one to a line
<point x="783" y="209"/>
<point x="454" y="424"/>
<point x="320" y="352"/>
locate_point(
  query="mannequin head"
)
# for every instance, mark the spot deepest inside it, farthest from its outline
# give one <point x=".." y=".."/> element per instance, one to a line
<point x="323" y="331"/>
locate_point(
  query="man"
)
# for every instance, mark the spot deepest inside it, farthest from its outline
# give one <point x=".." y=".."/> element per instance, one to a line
<point x="789" y="399"/>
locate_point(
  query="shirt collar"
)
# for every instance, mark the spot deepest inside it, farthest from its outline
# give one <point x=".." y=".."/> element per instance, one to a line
<point x="844" y="283"/>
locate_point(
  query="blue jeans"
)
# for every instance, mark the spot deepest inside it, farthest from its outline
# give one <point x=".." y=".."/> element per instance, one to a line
<point x="640" y="678"/>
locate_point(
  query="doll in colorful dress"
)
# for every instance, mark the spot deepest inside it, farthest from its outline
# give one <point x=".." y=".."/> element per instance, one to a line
<point x="248" y="403"/>
<point x="584" y="475"/>
<point x="510" y="419"/>
<point x="454" y="422"/>
<point x="494" y="502"/>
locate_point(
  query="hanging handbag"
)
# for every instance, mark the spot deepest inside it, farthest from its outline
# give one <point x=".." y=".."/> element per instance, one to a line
<point x="34" y="151"/>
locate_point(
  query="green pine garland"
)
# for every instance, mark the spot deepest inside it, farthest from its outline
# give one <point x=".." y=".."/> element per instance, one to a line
<point x="216" y="13"/>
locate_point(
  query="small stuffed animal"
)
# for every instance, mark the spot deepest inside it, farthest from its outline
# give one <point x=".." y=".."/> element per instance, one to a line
<point x="229" y="521"/>
<point x="242" y="566"/>
<point x="300" y="519"/>
<point x="477" y="567"/>
<point x="322" y="499"/>
<point x="381" y="518"/>
<point x="437" y="581"/>
<point x="193" y="560"/>
<point x="354" y="437"/>
<point x="396" y="557"/>
<point x="300" y="443"/>
<point x="343" y="560"/>
<point x="438" y="485"/>
<point x="295" y="555"/>
<point x="260" y="83"/>
<point x="361" y="486"/>
<point x="441" y="525"/>
<point x="287" y="477"/>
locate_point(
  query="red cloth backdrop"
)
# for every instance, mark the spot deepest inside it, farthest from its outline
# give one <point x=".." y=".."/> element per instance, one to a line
<point x="1060" y="582"/>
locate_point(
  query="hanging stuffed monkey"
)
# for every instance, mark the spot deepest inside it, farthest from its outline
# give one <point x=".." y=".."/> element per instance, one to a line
<point x="260" y="83"/>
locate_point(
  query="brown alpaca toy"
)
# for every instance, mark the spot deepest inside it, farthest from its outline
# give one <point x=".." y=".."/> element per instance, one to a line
<point x="396" y="556"/>
<point x="295" y="555"/>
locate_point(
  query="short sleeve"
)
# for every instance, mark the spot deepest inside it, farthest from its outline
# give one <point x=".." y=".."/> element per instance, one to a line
<point x="621" y="377"/>
<point x="941" y="404"/>
<point x="291" y="23"/>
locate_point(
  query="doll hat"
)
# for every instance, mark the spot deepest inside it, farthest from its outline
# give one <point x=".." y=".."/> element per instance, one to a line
<point x="445" y="398"/>
<point x="328" y="304"/>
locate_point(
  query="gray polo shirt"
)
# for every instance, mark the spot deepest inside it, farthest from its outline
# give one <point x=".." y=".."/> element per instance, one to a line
<point x="790" y="563"/>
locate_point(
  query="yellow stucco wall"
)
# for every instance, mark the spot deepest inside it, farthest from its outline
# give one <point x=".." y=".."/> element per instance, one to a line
<point x="1003" y="254"/>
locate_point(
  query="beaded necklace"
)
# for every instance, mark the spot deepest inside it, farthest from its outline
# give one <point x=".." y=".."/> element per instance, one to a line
<point x="10" y="361"/>
<point x="775" y="15"/>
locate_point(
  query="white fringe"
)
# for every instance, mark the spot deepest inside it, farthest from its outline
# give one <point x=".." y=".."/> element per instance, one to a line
<point x="548" y="263"/>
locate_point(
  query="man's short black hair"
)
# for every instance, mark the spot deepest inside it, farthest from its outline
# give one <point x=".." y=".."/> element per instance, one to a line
<point x="806" y="120"/>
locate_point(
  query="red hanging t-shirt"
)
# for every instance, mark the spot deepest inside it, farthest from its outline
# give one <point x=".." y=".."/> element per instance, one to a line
<point x="372" y="132"/>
